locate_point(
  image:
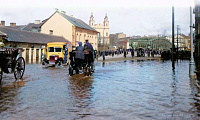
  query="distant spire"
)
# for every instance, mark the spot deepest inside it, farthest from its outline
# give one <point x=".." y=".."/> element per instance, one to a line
<point x="106" y="16"/>
<point x="91" y="14"/>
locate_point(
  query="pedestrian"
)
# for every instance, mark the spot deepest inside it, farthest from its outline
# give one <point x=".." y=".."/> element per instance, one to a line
<point x="124" y="54"/>
<point x="66" y="53"/>
<point x="103" y="54"/>
<point x="132" y="53"/>
<point x="148" y="53"/>
<point x="152" y="53"/>
<point x="79" y="56"/>
<point x="113" y="53"/>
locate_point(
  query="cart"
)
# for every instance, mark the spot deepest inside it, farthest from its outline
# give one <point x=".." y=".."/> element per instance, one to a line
<point x="11" y="62"/>
<point x="87" y="69"/>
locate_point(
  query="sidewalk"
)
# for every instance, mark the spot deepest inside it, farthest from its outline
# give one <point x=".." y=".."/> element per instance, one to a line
<point x="128" y="57"/>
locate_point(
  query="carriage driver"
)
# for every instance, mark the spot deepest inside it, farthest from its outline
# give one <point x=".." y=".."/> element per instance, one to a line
<point x="88" y="52"/>
<point x="79" y="56"/>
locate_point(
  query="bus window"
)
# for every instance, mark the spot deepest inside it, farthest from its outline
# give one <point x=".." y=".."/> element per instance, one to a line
<point x="51" y="49"/>
<point x="57" y="49"/>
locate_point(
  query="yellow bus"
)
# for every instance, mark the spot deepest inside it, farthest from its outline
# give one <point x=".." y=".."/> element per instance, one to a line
<point x="55" y="53"/>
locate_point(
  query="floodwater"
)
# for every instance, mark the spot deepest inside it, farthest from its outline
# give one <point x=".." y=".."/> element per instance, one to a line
<point x="118" y="90"/>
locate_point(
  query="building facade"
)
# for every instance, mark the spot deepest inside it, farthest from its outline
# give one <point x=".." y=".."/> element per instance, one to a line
<point x="72" y="29"/>
<point x="115" y="38"/>
<point x="181" y="41"/>
<point x="156" y="43"/>
<point x="32" y="43"/>
<point x="103" y="29"/>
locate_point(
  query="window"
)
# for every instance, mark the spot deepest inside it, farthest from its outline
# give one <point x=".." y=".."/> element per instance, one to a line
<point x="51" y="32"/>
<point x="51" y="49"/>
<point x="57" y="49"/>
<point x="106" y="34"/>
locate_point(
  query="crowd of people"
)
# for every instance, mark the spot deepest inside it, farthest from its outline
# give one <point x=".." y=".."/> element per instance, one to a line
<point x="125" y="52"/>
<point x="86" y="53"/>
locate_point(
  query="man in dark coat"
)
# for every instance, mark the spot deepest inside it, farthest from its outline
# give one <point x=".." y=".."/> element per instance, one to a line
<point x="79" y="56"/>
<point x="89" y="45"/>
<point x="89" y="53"/>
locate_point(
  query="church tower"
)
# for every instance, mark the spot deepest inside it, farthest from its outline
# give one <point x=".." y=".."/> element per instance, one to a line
<point x="106" y="22"/>
<point x="91" y="21"/>
<point x="103" y="29"/>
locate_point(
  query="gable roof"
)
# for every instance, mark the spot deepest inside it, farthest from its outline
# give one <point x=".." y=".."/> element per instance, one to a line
<point x="30" y="37"/>
<point x="76" y="22"/>
<point x="2" y="34"/>
<point x="18" y="27"/>
<point x="32" y="26"/>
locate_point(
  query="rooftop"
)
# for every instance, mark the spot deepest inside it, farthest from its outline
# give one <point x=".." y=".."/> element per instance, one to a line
<point x="14" y="35"/>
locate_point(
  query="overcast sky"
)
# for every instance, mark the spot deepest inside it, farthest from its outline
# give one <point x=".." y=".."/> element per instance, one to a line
<point x="132" y="17"/>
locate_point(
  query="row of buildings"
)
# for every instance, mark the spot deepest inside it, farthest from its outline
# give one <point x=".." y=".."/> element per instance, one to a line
<point x="59" y="27"/>
<point x="120" y="40"/>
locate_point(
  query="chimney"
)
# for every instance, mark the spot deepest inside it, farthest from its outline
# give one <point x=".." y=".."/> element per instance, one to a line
<point x="37" y="21"/>
<point x="63" y="12"/>
<point x="2" y="23"/>
<point x="12" y="24"/>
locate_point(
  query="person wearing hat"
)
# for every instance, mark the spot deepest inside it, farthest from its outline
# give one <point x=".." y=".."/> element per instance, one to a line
<point x="79" y="56"/>
<point x="88" y="45"/>
<point x="88" y="53"/>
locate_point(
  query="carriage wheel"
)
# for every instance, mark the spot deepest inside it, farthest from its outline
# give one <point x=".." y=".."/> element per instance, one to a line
<point x="19" y="68"/>
<point x="1" y="74"/>
<point x="44" y="64"/>
<point x="59" y="64"/>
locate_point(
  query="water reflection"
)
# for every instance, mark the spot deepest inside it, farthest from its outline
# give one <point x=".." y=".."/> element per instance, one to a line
<point x="81" y="88"/>
<point x="117" y="90"/>
<point x="174" y="94"/>
<point x="103" y="63"/>
<point x="195" y="109"/>
<point x="8" y="97"/>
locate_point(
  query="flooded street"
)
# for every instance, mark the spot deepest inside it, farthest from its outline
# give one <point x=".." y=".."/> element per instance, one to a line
<point x="117" y="90"/>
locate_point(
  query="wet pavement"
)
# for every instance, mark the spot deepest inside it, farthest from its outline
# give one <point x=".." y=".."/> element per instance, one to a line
<point x="127" y="89"/>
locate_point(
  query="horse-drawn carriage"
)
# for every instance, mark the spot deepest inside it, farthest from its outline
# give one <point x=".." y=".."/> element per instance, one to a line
<point x="87" y="65"/>
<point x="11" y="62"/>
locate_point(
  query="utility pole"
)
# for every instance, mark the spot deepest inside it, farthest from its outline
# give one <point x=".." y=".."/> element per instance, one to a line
<point x="173" y="67"/>
<point x="177" y="42"/>
<point x="192" y="64"/>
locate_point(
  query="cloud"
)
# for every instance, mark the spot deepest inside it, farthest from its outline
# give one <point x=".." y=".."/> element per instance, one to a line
<point x="142" y="17"/>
